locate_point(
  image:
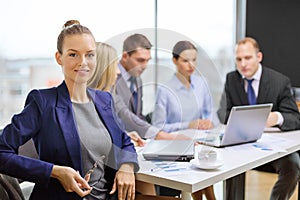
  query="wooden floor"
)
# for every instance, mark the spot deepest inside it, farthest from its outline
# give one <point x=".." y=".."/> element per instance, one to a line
<point x="259" y="185"/>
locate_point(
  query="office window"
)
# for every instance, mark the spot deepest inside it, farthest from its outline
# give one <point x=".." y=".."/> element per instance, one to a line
<point x="210" y="25"/>
<point x="30" y="30"/>
<point x="29" y="33"/>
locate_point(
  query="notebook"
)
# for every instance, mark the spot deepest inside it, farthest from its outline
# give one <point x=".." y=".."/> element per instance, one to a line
<point x="169" y="150"/>
<point x="245" y="124"/>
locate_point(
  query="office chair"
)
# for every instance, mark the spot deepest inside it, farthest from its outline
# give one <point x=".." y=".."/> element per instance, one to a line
<point x="10" y="188"/>
<point x="148" y="117"/>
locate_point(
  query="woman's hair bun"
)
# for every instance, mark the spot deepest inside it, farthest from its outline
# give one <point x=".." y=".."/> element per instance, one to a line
<point x="71" y="23"/>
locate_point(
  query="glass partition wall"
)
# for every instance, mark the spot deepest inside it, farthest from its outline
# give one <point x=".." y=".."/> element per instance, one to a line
<point x="209" y="25"/>
<point x="28" y="40"/>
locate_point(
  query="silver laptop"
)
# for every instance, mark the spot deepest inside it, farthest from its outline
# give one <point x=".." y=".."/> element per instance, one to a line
<point x="169" y="150"/>
<point x="245" y="124"/>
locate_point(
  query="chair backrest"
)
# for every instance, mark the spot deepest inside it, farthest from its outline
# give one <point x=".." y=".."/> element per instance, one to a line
<point x="10" y="188"/>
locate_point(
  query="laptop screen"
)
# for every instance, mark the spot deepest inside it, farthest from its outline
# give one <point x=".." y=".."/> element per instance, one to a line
<point x="245" y="124"/>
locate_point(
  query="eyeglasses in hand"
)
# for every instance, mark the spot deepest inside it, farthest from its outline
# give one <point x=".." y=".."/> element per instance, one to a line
<point x="96" y="164"/>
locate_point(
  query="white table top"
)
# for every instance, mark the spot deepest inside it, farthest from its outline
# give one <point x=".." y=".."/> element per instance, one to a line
<point x="237" y="159"/>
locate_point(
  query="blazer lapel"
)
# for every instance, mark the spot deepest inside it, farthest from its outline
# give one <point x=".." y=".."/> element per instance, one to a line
<point x="240" y="87"/>
<point x="64" y="114"/>
<point x="106" y="114"/>
<point x="264" y="87"/>
<point x="102" y="108"/>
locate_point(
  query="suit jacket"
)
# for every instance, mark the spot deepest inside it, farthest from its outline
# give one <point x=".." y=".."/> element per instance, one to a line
<point x="273" y="88"/>
<point x="123" y="105"/>
<point x="48" y="119"/>
<point x="123" y="91"/>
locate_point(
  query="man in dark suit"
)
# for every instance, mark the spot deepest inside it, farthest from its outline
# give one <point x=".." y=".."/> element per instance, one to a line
<point x="128" y="98"/>
<point x="252" y="83"/>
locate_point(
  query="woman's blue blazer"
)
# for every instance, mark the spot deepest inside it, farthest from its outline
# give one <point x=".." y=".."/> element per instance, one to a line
<point x="48" y="119"/>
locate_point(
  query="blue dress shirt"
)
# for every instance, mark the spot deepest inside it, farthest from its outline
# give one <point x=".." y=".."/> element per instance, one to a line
<point x="176" y="106"/>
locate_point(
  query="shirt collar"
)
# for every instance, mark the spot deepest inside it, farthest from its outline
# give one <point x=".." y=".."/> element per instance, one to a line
<point x="126" y="76"/>
<point x="178" y="84"/>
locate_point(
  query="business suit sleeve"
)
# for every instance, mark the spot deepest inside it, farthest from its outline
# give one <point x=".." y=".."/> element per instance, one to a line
<point x="132" y="122"/>
<point x="226" y="101"/>
<point x="23" y="127"/>
<point x="287" y="107"/>
<point x="276" y="88"/>
<point x="222" y="108"/>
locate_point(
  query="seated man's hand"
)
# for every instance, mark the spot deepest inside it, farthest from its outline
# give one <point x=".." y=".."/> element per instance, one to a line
<point x="272" y="119"/>
<point x="161" y="135"/>
<point x="136" y="138"/>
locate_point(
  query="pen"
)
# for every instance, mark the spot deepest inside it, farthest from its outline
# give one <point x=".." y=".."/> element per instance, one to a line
<point x="155" y="169"/>
<point x="262" y="147"/>
<point x="266" y="149"/>
<point x="174" y="170"/>
<point x="257" y="146"/>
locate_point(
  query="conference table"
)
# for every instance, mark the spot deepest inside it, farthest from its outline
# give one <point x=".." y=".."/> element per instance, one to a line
<point x="236" y="159"/>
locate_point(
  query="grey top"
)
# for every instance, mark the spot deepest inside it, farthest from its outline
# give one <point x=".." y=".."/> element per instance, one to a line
<point x="95" y="143"/>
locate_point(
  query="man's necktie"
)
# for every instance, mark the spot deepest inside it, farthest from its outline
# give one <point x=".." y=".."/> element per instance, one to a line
<point x="251" y="93"/>
<point x="133" y="89"/>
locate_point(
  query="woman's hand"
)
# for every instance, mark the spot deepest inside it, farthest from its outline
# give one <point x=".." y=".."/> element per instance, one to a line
<point x="202" y="124"/>
<point x="125" y="182"/>
<point x="71" y="180"/>
<point x="205" y="124"/>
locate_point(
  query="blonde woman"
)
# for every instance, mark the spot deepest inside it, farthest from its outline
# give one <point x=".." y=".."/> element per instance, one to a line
<point x="104" y="78"/>
<point x="106" y="72"/>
